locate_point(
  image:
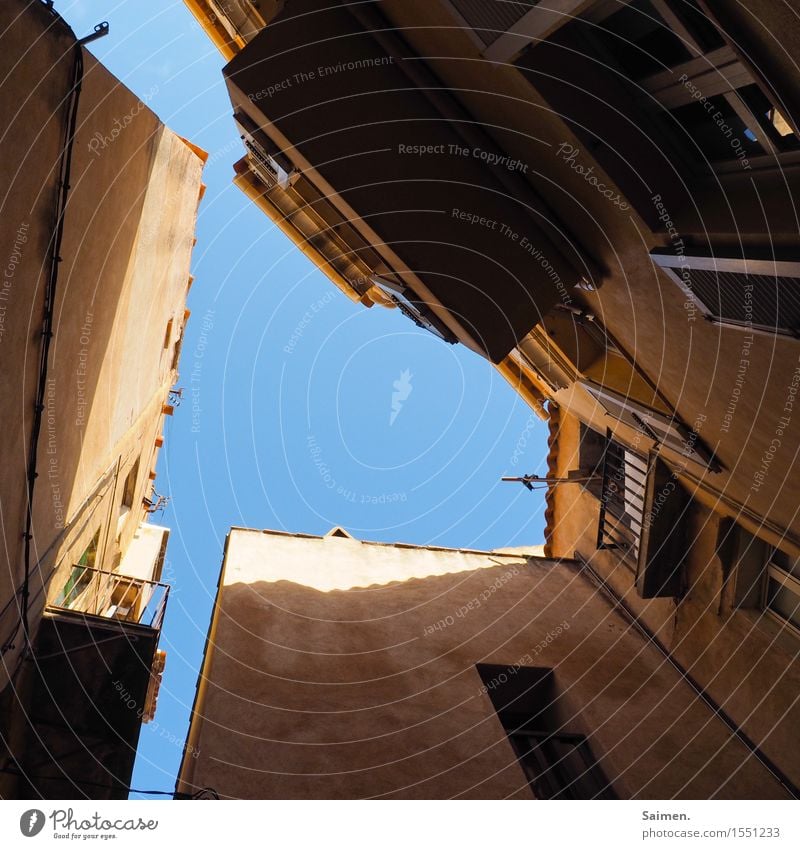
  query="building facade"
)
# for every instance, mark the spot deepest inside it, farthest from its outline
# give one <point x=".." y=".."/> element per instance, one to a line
<point x="336" y="668"/>
<point x="722" y="603"/>
<point x="99" y="202"/>
<point x="598" y="197"/>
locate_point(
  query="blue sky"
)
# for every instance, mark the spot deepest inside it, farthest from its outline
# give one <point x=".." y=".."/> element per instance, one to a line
<point x="287" y="415"/>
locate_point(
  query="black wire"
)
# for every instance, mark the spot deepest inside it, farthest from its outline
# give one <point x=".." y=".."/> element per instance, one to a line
<point x="197" y="795"/>
<point x="47" y="326"/>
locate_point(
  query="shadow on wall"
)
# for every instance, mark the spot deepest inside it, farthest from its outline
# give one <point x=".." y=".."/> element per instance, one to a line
<point x="377" y="693"/>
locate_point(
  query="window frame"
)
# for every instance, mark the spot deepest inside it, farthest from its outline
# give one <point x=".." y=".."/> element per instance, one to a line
<point x="750" y="580"/>
<point x="642" y="465"/>
<point x="537" y="24"/>
<point x="671" y="264"/>
<point x="543" y="768"/>
<point x="664" y="431"/>
<point x="718" y="70"/>
<point x="776" y="573"/>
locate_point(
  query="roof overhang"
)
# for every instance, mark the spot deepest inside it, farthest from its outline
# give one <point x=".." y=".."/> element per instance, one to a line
<point x="347" y="115"/>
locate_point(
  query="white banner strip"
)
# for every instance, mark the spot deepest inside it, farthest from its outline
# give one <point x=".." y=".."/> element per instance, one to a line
<point x="402" y="825"/>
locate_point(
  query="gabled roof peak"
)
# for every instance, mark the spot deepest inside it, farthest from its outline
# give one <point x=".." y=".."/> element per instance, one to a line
<point x="337" y="531"/>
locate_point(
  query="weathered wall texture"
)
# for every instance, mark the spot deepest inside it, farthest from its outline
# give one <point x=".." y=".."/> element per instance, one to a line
<point x="696" y="365"/>
<point x="607" y="173"/>
<point x="122" y="281"/>
<point x="747" y="663"/>
<point x="343" y="669"/>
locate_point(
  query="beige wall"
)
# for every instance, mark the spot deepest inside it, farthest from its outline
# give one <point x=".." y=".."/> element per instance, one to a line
<point x="747" y="663"/>
<point x="144" y="555"/>
<point x="126" y="251"/>
<point x="326" y="675"/>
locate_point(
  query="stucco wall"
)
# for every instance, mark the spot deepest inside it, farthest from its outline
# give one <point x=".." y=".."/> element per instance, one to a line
<point x="126" y="251"/>
<point x="343" y="669"/>
<point x="697" y="365"/>
<point x="745" y="660"/>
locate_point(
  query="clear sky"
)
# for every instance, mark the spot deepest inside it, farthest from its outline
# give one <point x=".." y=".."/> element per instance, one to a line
<point x="287" y="419"/>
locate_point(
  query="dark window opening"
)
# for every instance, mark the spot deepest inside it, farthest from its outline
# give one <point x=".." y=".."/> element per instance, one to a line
<point x="129" y="490"/>
<point x="556" y="758"/>
<point x="771" y="121"/>
<point x="592" y="450"/>
<point x="128" y="496"/>
<point x="716" y="131"/>
<point x="640" y="40"/>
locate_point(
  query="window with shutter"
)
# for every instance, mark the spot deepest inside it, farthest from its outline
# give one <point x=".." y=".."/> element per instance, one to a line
<point x="642" y="518"/>
<point x="762" y="295"/>
<point x="664" y="430"/>
<point x="491" y="18"/>
<point x="624" y="478"/>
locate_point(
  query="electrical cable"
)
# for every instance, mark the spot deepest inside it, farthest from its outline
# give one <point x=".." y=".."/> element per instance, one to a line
<point x="47" y="324"/>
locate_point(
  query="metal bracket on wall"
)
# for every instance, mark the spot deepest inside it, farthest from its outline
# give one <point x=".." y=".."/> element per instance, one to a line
<point x="99" y="31"/>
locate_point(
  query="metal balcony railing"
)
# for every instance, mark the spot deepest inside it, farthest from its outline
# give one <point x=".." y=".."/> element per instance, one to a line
<point x="622" y="501"/>
<point x="112" y="595"/>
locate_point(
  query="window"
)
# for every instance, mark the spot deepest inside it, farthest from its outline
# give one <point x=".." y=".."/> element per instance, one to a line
<point x="679" y="59"/>
<point x="264" y="159"/>
<point x="416" y="310"/>
<point x="758" y="576"/>
<point x="80" y="575"/>
<point x="641" y="518"/>
<point x="129" y="490"/>
<point x="128" y="496"/>
<point x="556" y="759"/>
<point x="782" y="589"/>
<point x="663" y="430"/>
<point x="753" y="294"/>
<point x="624" y="477"/>
<point x="654" y="84"/>
<point x="264" y="166"/>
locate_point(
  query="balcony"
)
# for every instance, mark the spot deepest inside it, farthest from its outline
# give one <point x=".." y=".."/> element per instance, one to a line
<point x="401" y="163"/>
<point x="111" y="595"/>
<point x="95" y="672"/>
